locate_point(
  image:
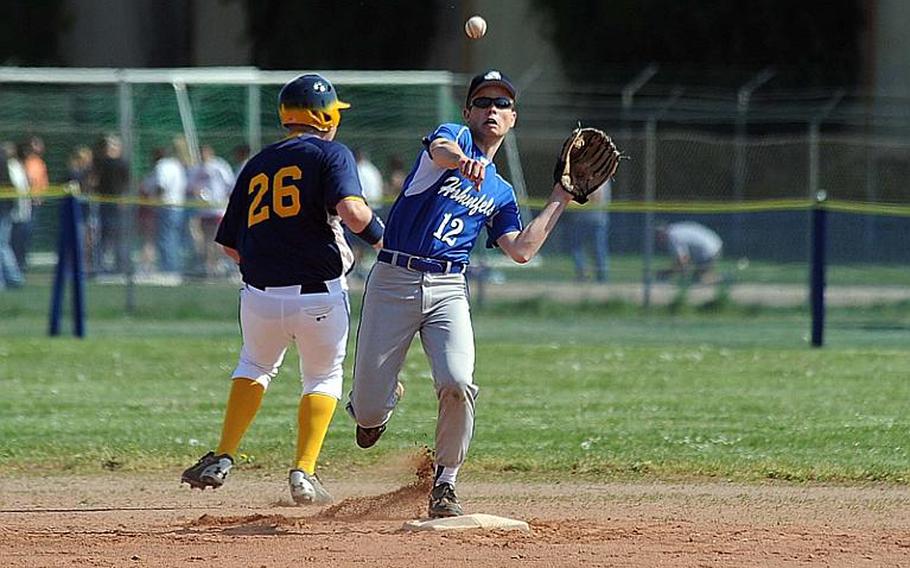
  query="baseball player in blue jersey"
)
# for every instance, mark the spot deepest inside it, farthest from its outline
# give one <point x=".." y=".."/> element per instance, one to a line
<point x="283" y="227"/>
<point x="418" y="284"/>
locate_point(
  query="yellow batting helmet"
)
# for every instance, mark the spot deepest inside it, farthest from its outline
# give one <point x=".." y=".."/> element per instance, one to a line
<point x="310" y="100"/>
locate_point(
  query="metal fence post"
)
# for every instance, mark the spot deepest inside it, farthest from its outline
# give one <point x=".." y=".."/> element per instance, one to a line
<point x="814" y="129"/>
<point x="815" y="158"/>
<point x="127" y="214"/>
<point x="185" y="110"/>
<point x="628" y="94"/>
<point x="817" y="268"/>
<point x="253" y="117"/>
<point x="651" y="191"/>
<point x="743" y="98"/>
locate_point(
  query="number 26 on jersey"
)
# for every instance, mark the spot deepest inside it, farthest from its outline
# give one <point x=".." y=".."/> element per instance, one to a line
<point x="285" y="195"/>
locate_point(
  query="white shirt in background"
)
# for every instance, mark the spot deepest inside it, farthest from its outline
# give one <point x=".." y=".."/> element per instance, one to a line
<point x="212" y="181"/>
<point x="170" y="177"/>
<point x="371" y="181"/>
<point x="22" y="210"/>
<point x="693" y="240"/>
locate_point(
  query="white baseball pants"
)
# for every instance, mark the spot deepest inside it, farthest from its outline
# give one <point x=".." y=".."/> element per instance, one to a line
<point x="270" y="319"/>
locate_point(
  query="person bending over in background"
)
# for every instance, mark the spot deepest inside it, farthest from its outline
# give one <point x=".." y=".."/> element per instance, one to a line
<point x="694" y="248"/>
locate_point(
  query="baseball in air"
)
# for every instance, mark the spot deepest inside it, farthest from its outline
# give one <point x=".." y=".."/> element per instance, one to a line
<point x="475" y="27"/>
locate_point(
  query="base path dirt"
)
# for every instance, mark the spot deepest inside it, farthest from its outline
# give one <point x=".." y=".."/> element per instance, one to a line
<point x="662" y="293"/>
<point x="136" y="520"/>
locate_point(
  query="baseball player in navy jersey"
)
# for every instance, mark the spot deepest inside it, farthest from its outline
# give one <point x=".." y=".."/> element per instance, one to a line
<point x="283" y="227"/>
<point x="418" y="284"/>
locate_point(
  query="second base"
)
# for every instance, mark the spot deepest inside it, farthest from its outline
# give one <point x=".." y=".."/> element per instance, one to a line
<point x="464" y="522"/>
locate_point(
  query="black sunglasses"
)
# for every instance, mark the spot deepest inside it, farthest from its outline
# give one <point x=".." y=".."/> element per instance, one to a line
<point x="487" y="102"/>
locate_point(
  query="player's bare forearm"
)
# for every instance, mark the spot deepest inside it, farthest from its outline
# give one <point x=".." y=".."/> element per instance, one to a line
<point x="445" y="153"/>
<point x="231" y="252"/>
<point x="523" y="246"/>
<point x="449" y="155"/>
<point x="358" y="216"/>
<point x="355" y="213"/>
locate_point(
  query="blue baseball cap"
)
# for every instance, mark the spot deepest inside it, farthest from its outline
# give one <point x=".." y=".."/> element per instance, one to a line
<point x="487" y="78"/>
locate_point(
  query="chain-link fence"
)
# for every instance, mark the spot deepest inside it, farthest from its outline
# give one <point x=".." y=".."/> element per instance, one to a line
<point x="749" y="177"/>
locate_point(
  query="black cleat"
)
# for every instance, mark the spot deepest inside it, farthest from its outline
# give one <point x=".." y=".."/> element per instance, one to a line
<point x="367" y="437"/>
<point x="209" y="471"/>
<point x="444" y="502"/>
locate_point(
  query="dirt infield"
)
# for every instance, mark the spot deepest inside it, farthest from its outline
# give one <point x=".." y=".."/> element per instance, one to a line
<point x="132" y="520"/>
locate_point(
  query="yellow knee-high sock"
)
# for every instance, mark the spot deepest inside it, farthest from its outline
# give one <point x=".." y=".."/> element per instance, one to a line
<point x="243" y="403"/>
<point x="313" y="417"/>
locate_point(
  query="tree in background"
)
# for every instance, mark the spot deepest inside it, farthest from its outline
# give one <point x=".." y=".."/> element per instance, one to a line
<point x="29" y="31"/>
<point x="335" y="34"/>
<point x="810" y="42"/>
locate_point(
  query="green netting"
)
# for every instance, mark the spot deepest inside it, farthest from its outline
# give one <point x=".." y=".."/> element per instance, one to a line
<point x="754" y="191"/>
<point x="64" y="116"/>
<point x="386" y="120"/>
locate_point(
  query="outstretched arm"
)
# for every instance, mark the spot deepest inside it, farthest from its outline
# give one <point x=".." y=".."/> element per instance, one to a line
<point x="522" y="246"/>
<point x="449" y="155"/>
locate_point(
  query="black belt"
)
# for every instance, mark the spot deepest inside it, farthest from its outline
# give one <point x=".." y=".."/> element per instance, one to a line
<point x="420" y="264"/>
<point x="312" y="288"/>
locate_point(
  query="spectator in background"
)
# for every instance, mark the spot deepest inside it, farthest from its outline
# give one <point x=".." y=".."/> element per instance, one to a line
<point x="589" y="234"/>
<point x="79" y="172"/>
<point x="32" y="158"/>
<point x="371" y="182"/>
<point x="21" y="214"/>
<point x="694" y="248"/>
<point x="112" y="177"/>
<point x="181" y="151"/>
<point x="79" y="168"/>
<point x="147" y="223"/>
<point x="370" y="179"/>
<point x="241" y="155"/>
<point x="210" y="182"/>
<point x="12" y="174"/>
<point x="35" y="167"/>
<point x="170" y="187"/>
<point x="396" y="176"/>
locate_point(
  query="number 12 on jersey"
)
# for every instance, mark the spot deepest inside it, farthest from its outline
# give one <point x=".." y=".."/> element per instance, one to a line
<point x="449" y="229"/>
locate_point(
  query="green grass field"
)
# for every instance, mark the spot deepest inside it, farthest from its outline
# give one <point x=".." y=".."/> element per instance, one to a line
<point x="600" y="391"/>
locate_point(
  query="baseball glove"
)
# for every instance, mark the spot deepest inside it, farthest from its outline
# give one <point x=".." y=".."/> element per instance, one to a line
<point x="588" y="158"/>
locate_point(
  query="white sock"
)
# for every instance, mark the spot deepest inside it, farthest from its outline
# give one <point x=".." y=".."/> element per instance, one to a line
<point x="446" y="475"/>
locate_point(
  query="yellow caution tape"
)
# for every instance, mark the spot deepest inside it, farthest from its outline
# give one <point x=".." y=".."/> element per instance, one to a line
<point x="759" y="205"/>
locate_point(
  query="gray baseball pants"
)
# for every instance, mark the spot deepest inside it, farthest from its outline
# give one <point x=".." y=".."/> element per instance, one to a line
<point x="399" y="303"/>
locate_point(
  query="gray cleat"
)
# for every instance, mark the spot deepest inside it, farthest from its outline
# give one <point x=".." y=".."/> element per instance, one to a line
<point x="209" y="471"/>
<point x="306" y="489"/>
